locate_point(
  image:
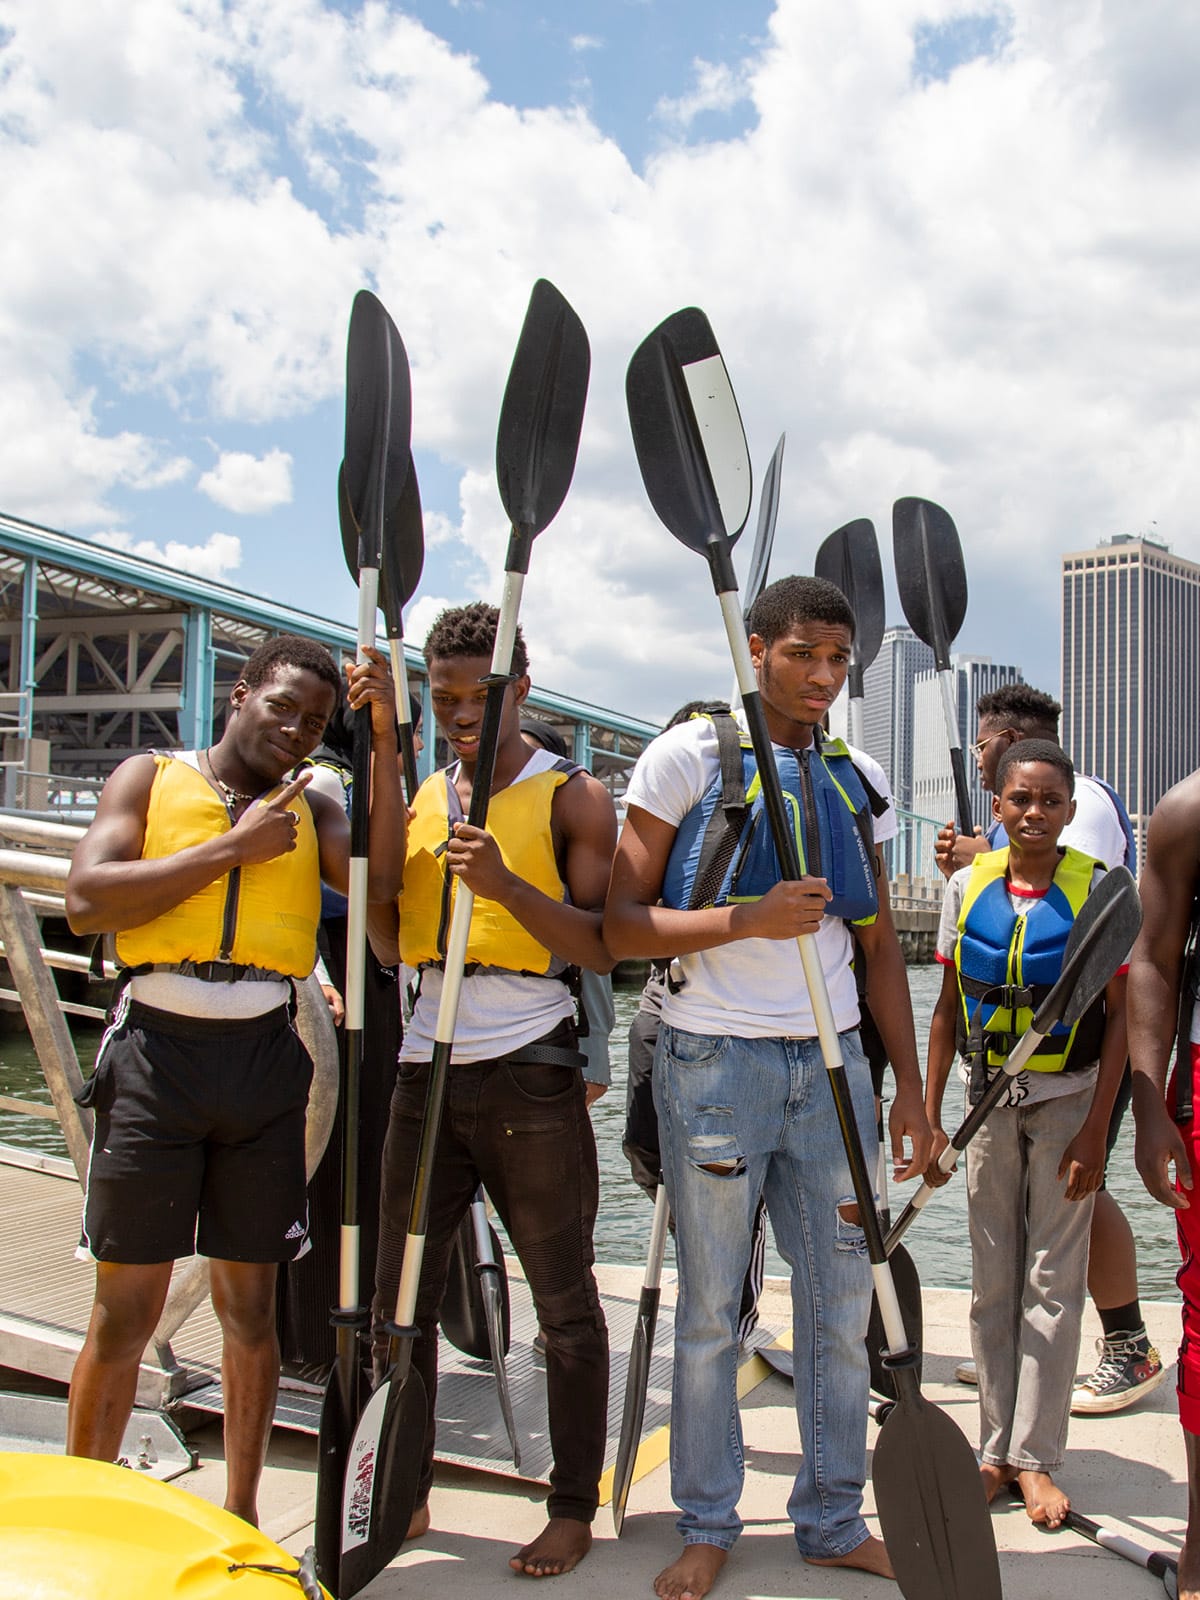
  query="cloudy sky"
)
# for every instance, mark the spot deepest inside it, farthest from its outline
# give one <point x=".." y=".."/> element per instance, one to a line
<point x="949" y="247"/>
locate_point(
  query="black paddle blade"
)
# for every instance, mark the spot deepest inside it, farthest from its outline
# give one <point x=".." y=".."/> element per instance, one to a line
<point x="464" y="1312"/>
<point x="764" y="538"/>
<point x="932" y="1511"/>
<point x="339" y="1413"/>
<point x="403" y="553"/>
<point x="378" y="419"/>
<point x="849" y="559"/>
<point x="930" y="574"/>
<point x="637" y="1381"/>
<point x="379" y="1490"/>
<point x="908" y="1292"/>
<point x="495" y="1310"/>
<point x="1100" y="940"/>
<point x="541" y="416"/>
<point x="688" y="435"/>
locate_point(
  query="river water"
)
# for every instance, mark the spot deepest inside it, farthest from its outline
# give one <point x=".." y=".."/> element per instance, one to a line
<point x="937" y="1241"/>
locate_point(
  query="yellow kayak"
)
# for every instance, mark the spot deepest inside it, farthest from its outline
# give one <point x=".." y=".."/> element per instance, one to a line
<point x="84" y="1530"/>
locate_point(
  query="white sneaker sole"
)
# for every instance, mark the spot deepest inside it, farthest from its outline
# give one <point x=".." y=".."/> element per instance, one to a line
<point x="966" y="1372"/>
<point x="1086" y="1404"/>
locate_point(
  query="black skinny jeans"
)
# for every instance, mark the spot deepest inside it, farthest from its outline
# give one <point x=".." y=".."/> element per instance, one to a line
<point x="524" y="1133"/>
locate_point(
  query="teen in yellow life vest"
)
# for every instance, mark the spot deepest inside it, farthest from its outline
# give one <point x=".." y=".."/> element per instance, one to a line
<point x="263" y="915"/>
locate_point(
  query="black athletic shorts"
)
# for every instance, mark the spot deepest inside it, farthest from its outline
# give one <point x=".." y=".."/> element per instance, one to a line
<point x="199" y="1139"/>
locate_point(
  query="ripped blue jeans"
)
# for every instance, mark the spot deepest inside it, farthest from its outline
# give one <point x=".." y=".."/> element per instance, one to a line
<point x="761" y="1113"/>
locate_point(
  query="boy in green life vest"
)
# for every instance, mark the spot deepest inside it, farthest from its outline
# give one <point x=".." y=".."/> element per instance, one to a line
<point x="1034" y="1167"/>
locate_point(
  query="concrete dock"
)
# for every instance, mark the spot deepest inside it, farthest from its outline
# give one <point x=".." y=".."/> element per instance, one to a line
<point x="1125" y="1470"/>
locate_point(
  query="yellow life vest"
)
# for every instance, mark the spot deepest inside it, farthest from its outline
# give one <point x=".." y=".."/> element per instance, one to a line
<point x="260" y="915"/>
<point x="519" y="820"/>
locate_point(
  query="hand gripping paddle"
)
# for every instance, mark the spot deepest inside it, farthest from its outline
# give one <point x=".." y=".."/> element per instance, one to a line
<point x="692" y="452"/>
<point x="537" y="440"/>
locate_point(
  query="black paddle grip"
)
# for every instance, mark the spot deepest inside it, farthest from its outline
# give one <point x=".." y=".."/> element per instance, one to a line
<point x="720" y="560"/>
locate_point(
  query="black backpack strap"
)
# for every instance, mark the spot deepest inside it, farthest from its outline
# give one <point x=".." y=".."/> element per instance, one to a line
<point x="728" y="821"/>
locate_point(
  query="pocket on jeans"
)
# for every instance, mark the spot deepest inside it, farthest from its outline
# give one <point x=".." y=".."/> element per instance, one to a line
<point x="541" y="1083"/>
<point x="694" y="1049"/>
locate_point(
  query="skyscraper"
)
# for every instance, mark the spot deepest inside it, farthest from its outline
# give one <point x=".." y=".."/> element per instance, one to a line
<point x="1131" y="668"/>
<point x="888" y="707"/>
<point x="933" y="783"/>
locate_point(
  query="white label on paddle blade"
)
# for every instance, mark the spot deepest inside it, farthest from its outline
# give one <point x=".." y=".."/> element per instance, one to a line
<point x="362" y="1465"/>
<point x="715" y="406"/>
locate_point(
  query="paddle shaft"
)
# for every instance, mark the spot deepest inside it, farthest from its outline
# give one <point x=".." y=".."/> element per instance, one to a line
<point x="810" y="957"/>
<point x="992" y="1096"/>
<point x="638" y="1374"/>
<point x="1155" y="1561"/>
<point x="516" y="566"/>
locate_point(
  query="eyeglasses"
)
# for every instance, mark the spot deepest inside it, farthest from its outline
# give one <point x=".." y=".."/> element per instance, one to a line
<point x="978" y="749"/>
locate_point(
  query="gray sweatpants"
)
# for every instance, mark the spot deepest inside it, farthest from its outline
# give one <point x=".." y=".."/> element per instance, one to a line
<point x="1029" y="1255"/>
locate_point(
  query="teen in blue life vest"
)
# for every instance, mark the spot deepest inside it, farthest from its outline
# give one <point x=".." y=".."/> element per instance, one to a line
<point x="1034" y="1167"/>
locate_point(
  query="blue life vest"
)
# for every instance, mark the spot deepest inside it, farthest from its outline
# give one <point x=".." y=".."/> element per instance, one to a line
<point x="724" y="853"/>
<point x="1008" y="960"/>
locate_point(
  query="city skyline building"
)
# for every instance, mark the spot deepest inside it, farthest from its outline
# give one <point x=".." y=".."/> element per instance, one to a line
<point x="1131" y="668"/>
<point x="933" y="782"/>
<point x="888" y="685"/>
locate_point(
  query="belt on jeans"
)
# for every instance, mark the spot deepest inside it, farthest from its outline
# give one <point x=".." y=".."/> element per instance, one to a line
<point x="545" y="1055"/>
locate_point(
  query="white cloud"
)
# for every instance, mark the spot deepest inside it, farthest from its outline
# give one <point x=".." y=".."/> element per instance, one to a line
<point x="717" y="87"/>
<point x="975" y="285"/>
<point x="217" y="558"/>
<point x="249" y="484"/>
<point x="581" y="42"/>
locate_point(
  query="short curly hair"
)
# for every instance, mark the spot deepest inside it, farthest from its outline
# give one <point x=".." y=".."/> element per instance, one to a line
<point x="1022" y="708"/>
<point x="291" y="650"/>
<point x="471" y="631"/>
<point x="793" y="600"/>
<point x="1046" y="750"/>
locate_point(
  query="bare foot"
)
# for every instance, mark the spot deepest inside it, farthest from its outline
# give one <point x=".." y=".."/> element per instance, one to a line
<point x="419" y="1523"/>
<point x="1045" y="1502"/>
<point x="693" y="1575"/>
<point x="995" y="1479"/>
<point x="869" y="1556"/>
<point x="561" y="1545"/>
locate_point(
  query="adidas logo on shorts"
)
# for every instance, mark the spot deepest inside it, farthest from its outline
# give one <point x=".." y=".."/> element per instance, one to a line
<point x="296" y="1231"/>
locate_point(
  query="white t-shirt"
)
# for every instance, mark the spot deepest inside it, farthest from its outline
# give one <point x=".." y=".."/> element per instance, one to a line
<point x="1026" y="1087"/>
<point x="752" y="988"/>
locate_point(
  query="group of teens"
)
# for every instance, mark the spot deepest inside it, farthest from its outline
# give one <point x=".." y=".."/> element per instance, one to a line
<point x="207" y="867"/>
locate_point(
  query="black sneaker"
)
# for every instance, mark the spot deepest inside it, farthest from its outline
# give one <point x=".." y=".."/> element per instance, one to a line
<point x="1129" y="1367"/>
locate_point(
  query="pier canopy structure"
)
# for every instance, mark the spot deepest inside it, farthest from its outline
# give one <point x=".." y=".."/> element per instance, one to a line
<point x="103" y="654"/>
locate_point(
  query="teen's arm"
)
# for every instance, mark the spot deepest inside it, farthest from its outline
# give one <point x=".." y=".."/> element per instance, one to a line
<point x="1083" y="1160"/>
<point x="952" y="850"/>
<point x="1155" y="968"/>
<point x="635" y="925"/>
<point x="586" y="825"/>
<point x="369" y="683"/>
<point x="110" y="888"/>
<point x="939" y="1059"/>
<point x="891" y="1007"/>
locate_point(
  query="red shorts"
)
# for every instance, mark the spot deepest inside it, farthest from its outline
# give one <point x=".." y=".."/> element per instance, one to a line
<point x="1187" y="1225"/>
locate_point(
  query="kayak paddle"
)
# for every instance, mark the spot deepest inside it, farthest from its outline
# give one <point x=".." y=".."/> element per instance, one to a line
<point x="908" y="1292"/>
<point x="475" y="1314"/>
<point x="537" y="440"/>
<point x="932" y="580"/>
<point x="637" y="1378"/>
<point x="849" y="559"/>
<point x="692" y="453"/>
<point x="403" y="556"/>
<point x="764" y="538"/>
<point x="378" y="421"/>
<point x="1100" y="940"/>
<point x="1164" y="1567"/>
